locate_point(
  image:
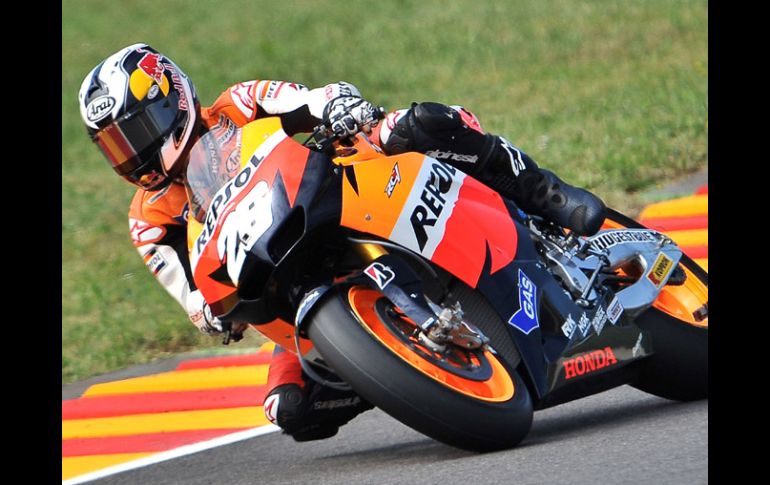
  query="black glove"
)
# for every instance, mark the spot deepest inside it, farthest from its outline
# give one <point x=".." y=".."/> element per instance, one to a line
<point x="313" y="413"/>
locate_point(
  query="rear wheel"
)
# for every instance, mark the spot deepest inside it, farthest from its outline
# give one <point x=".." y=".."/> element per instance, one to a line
<point x="678" y="324"/>
<point x="465" y="398"/>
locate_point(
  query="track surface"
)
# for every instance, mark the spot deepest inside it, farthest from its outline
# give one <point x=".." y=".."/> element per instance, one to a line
<point x="620" y="436"/>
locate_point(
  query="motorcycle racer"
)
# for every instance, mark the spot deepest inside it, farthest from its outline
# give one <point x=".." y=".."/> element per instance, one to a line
<point x="144" y="114"/>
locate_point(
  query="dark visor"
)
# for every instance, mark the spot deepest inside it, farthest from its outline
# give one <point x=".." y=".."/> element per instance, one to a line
<point x="137" y="135"/>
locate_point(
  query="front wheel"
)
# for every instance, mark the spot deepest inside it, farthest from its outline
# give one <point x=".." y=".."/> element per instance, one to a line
<point x="466" y="399"/>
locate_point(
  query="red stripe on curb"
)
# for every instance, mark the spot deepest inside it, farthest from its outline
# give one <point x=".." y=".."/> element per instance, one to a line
<point x="676" y="223"/>
<point x="702" y="190"/>
<point x="696" y="252"/>
<point x="159" y="402"/>
<point x="231" y="360"/>
<point x="141" y="443"/>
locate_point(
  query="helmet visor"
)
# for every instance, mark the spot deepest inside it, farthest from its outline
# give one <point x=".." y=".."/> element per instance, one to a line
<point x="131" y="139"/>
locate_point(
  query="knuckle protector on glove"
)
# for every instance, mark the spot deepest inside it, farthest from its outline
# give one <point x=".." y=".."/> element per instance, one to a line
<point x="347" y="115"/>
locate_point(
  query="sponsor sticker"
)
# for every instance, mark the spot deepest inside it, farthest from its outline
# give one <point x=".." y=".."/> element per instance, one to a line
<point x="449" y="155"/>
<point x="612" y="238"/>
<point x="177" y="82"/>
<point x="380" y="274"/>
<point x="395" y="179"/>
<point x="660" y="270"/>
<point x="422" y="222"/>
<point x="525" y="318"/>
<point x="600" y="318"/>
<point x="99" y="108"/>
<point x="150" y="64"/>
<point x="614" y="310"/>
<point x="156" y="263"/>
<point x="589" y="362"/>
<point x="569" y="326"/>
<point x="584" y="324"/>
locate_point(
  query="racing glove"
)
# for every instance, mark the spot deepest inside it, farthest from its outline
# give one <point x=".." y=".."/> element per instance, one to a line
<point x="200" y="314"/>
<point x="348" y="115"/>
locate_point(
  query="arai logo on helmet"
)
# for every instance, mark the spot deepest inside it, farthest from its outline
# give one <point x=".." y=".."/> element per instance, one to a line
<point x="99" y="108"/>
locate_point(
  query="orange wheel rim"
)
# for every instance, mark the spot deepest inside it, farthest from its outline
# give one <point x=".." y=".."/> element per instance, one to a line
<point x="497" y="388"/>
<point x="682" y="301"/>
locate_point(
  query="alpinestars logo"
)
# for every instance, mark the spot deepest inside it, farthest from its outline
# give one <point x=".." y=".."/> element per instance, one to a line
<point x="271" y="408"/>
<point x="395" y="179"/>
<point x="448" y="155"/>
<point x="380" y="274"/>
<point x="517" y="164"/>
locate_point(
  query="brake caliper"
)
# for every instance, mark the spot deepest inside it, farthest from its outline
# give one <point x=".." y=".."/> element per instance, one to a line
<point x="450" y="328"/>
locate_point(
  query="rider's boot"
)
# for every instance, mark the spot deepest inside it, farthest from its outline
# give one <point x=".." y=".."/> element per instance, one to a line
<point x="303" y="408"/>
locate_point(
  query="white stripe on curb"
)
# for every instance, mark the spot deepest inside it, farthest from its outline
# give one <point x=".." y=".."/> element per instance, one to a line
<point x="171" y="454"/>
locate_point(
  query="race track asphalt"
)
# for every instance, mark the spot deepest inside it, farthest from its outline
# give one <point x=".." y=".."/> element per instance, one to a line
<point x="619" y="436"/>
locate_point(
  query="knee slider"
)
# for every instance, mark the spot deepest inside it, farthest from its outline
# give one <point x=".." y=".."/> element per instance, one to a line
<point x="426" y="126"/>
<point x="435" y="118"/>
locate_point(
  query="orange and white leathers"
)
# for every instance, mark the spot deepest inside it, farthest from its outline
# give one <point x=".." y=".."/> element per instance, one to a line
<point x="158" y="220"/>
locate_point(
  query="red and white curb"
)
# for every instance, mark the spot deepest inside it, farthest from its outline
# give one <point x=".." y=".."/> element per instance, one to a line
<point x="204" y="403"/>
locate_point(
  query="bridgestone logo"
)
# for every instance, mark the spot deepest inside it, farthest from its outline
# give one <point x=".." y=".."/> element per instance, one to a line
<point x="612" y="238"/>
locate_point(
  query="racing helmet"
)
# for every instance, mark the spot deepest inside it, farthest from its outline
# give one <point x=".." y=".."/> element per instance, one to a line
<point x="142" y="112"/>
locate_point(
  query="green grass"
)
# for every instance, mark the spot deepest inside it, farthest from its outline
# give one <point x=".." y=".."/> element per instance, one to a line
<point x="612" y="95"/>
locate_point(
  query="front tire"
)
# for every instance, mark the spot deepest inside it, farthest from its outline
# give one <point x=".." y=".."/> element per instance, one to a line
<point x="474" y="412"/>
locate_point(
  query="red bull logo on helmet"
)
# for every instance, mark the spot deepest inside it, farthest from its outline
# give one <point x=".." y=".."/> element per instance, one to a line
<point x="150" y="64"/>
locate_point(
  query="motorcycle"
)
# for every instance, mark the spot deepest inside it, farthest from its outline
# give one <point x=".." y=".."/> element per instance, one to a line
<point x="430" y="295"/>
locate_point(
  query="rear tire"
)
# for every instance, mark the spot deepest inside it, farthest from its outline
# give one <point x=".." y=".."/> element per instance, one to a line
<point x="678" y="368"/>
<point x="383" y="376"/>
